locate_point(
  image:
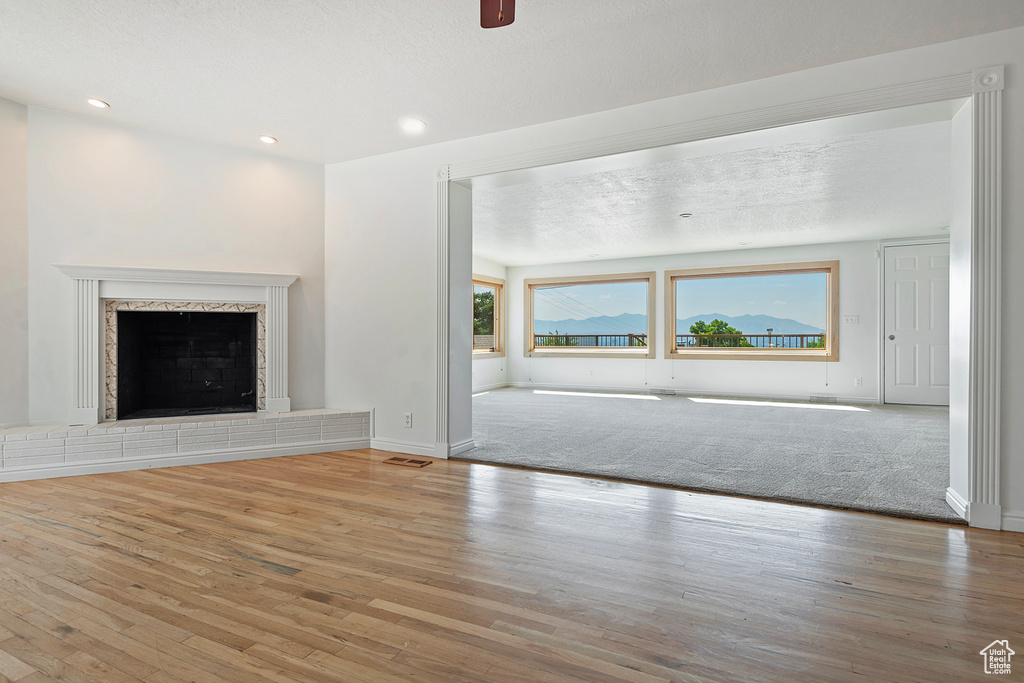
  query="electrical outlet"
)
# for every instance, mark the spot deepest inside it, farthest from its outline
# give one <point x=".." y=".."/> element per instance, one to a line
<point x="851" y="319"/>
<point x="858" y="381"/>
<point x="408" y="420"/>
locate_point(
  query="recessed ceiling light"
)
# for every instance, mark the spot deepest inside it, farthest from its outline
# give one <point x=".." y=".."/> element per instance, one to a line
<point x="99" y="104"/>
<point x="685" y="215"/>
<point x="412" y="126"/>
<point x="267" y="139"/>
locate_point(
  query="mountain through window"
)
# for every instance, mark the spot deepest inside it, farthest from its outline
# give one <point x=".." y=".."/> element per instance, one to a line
<point x="783" y="311"/>
<point x="609" y="314"/>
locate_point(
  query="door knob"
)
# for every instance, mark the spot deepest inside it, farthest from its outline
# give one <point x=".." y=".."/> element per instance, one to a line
<point x="891" y="337"/>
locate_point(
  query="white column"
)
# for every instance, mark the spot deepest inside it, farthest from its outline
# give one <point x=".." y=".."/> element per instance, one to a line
<point x="85" y="408"/>
<point x="985" y="376"/>
<point x="277" y="350"/>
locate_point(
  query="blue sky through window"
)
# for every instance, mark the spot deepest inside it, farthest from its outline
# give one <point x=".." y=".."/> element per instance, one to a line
<point x="797" y="296"/>
<point x="580" y="302"/>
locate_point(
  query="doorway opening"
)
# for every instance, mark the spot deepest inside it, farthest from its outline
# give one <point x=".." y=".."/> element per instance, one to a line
<point x="823" y="192"/>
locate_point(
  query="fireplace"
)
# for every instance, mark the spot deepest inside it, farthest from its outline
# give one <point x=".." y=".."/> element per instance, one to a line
<point x="103" y="293"/>
<point x="185" y="363"/>
<point x="161" y="334"/>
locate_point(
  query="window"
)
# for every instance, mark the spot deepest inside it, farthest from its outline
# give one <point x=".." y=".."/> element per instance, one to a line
<point x="772" y="312"/>
<point x="488" y="317"/>
<point x="592" y="316"/>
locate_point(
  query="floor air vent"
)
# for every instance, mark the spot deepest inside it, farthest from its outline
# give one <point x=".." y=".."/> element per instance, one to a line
<point x="822" y="399"/>
<point x="667" y="392"/>
<point x="407" y="462"/>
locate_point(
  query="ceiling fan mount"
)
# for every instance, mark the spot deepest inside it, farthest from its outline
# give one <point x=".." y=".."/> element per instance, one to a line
<point x="497" y="13"/>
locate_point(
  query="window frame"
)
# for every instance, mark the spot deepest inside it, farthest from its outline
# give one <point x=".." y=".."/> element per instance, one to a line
<point x="829" y="354"/>
<point x="530" y="350"/>
<point x="498" y="285"/>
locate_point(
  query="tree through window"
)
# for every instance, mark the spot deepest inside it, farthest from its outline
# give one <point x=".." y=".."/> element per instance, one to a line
<point x="770" y="312"/>
<point x="487" y="314"/>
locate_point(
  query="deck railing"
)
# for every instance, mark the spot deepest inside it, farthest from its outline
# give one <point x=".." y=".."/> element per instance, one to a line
<point x="590" y="340"/>
<point x="757" y="341"/>
<point x="483" y="342"/>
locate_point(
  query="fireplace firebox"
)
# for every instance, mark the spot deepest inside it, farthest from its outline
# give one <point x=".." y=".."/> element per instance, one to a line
<point x="174" y="363"/>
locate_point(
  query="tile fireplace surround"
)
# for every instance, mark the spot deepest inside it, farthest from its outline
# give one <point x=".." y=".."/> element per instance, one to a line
<point x="93" y="441"/>
<point x="112" y="306"/>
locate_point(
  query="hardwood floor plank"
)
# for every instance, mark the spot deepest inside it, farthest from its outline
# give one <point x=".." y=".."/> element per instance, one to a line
<point x="335" y="567"/>
<point x="135" y="645"/>
<point x="13" y="668"/>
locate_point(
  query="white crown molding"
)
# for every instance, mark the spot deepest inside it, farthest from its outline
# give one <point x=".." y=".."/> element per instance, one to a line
<point x="202" y="277"/>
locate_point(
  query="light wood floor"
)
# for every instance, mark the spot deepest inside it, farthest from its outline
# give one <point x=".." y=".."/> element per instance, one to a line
<point x="336" y="567"/>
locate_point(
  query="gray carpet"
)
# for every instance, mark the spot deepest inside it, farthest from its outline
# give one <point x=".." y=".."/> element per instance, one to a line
<point x="888" y="459"/>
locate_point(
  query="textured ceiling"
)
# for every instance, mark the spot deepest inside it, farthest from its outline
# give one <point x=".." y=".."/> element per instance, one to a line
<point x="874" y="185"/>
<point x="330" y="78"/>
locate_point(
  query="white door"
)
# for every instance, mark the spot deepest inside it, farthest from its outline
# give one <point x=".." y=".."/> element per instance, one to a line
<point x="917" y="324"/>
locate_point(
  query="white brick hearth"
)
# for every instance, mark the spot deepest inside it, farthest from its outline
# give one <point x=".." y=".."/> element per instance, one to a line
<point x="57" y="451"/>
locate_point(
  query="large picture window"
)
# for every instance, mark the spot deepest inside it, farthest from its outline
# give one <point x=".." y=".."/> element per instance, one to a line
<point x="488" y="317"/>
<point x="590" y="316"/>
<point x="771" y="312"/>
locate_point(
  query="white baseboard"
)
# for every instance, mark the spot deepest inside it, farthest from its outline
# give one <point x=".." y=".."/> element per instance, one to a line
<point x="462" y="446"/>
<point x="684" y="392"/>
<point x="1013" y="521"/>
<point x="984" y="516"/>
<point x="957" y="502"/>
<point x="197" y="458"/>
<point x="490" y="387"/>
<point x="406" y="447"/>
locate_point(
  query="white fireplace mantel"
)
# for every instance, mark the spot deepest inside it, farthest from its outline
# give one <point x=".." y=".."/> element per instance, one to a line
<point x="96" y="283"/>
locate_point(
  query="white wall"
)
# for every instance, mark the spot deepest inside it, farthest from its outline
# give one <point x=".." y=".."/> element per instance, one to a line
<point x="959" y="296"/>
<point x="460" y="293"/>
<point x="858" y="344"/>
<point x="491" y="373"/>
<point x="13" y="264"/>
<point x="381" y="216"/>
<point x="105" y="194"/>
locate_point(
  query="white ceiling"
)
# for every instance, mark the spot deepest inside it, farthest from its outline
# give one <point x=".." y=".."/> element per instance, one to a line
<point x="842" y="180"/>
<point x="330" y="78"/>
